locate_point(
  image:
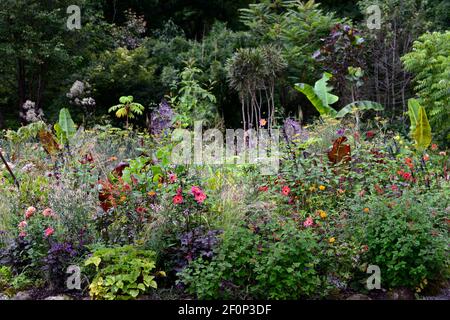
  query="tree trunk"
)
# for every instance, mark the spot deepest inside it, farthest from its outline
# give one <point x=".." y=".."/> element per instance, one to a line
<point x="2" y="121"/>
<point x="21" y="85"/>
<point x="40" y="85"/>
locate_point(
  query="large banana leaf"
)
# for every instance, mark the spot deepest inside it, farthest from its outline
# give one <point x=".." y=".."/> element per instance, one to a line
<point x="65" y="128"/>
<point x="66" y="123"/>
<point x="360" y="106"/>
<point x="320" y="95"/>
<point x="422" y="133"/>
<point x="413" y="111"/>
<point x="322" y="90"/>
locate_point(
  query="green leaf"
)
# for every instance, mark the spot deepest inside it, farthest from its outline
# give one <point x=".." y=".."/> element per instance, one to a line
<point x="126" y="99"/>
<point x="360" y="106"/>
<point x="93" y="260"/>
<point x="148" y="279"/>
<point x="317" y="102"/>
<point x="134" y="293"/>
<point x="413" y="111"/>
<point x="114" y="108"/>
<point x="141" y="286"/>
<point x="122" y="112"/>
<point x="422" y="133"/>
<point x="65" y="127"/>
<point x="322" y="90"/>
<point x="153" y="284"/>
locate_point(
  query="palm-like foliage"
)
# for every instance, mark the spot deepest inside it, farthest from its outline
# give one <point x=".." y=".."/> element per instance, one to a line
<point x="252" y="72"/>
<point x="127" y="108"/>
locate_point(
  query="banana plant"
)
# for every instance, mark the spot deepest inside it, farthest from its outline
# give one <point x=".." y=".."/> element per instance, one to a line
<point x="65" y="127"/>
<point x="320" y="95"/>
<point x="420" y="129"/>
<point x="357" y="108"/>
<point x="321" y="98"/>
<point x="127" y="108"/>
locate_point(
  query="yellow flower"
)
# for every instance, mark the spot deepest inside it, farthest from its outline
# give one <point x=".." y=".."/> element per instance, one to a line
<point x="322" y="214"/>
<point x="152" y="193"/>
<point x="366" y="210"/>
<point x="321" y="187"/>
<point x="159" y="185"/>
<point x="123" y="198"/>
<point x="331" y="240"/>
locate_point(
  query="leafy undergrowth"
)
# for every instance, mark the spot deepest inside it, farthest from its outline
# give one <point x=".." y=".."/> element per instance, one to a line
<point x="111" y="205"/>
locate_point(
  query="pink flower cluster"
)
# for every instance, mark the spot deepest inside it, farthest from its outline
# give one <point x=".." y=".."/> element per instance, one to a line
<point x="178" y="198"/>
<point x="172" y="177"/>
<point x="197" y="192"/>
<point x="199" y="195"/>
<point x="22" y="225"/>
<point x="48" y="213"/>
<point x="48" y="232"/>
<point x="308" y="222"/>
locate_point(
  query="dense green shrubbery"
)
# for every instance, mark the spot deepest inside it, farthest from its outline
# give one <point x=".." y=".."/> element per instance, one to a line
<point x="267" y="259"/>
<point x="406" y="239"/>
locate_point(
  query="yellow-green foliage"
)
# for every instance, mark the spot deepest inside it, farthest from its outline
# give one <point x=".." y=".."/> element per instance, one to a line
<point x="122" y="273"/>
<point x="420" y="129"/>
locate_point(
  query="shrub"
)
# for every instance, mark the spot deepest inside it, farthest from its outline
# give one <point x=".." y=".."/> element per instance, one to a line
<point x="270" y="259"/>
<point x="59" y="257"/>
<point x="5" y="277"/>
<point x="16" y="255"/>
<point x="404" y="239"/>
<point x="194" y="101"/>
<point x="122" y="273"/>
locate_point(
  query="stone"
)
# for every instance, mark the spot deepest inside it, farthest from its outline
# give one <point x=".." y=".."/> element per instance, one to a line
<point x="3" y="297"/>
<point x="60" y="297"/>
<point x="401" y="294"/>
<point x="22" y="295"/>
<point x="358" y="296"/>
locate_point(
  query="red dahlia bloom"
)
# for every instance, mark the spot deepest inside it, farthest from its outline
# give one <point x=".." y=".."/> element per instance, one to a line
<point x="406" y="175"/>
<point x="48" y="232"/>
<point x="177" y="199"/>
<point x="195" y="190"/>
<point x="141" y="210"/>
<point x="285" y="190"/>
<point x="200" y="197"/>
